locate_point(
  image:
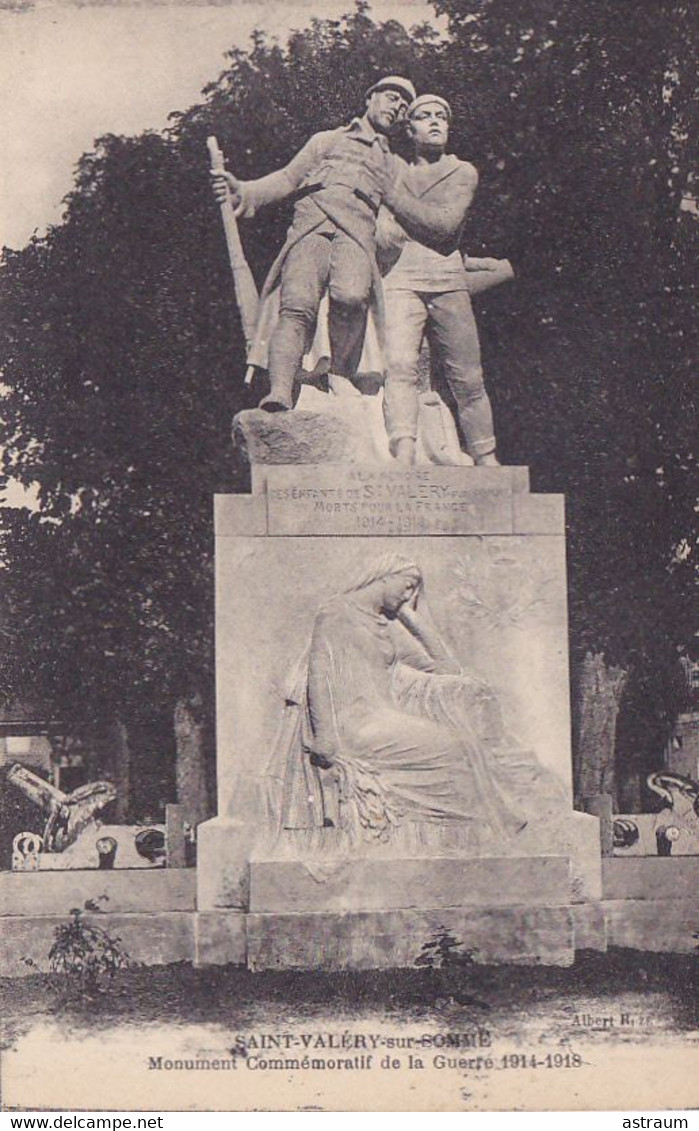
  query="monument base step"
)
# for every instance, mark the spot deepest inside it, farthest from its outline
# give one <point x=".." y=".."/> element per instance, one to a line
<point x="148" y="890"/>
<point x="650" y="877"/>
<point x="667" y="926"/>
<point x="149" y="938"/>
<point x="388" y="883"/>
<point x="372" y="940"/>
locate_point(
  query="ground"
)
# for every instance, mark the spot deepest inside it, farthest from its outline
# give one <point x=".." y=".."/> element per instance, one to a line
<point x="606" y="1009"/>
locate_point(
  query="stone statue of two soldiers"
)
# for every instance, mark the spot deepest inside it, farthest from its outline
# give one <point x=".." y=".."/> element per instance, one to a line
<point x="378" y="235"/>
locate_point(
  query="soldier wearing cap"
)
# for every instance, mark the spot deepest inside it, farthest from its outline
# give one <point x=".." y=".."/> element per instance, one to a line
<point x="338" y="180"/>
<point x="427" y="289"/>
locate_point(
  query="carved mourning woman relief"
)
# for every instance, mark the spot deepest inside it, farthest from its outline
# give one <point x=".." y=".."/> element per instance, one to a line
<point x="387" y="740"/>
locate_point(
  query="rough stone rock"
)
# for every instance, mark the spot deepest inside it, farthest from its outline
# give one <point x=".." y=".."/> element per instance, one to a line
<point x="291" y="437"/>
<point x="324" y="428"/>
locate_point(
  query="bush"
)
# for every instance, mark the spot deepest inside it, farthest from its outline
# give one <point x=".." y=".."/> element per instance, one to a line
<point x="86" y="954"/>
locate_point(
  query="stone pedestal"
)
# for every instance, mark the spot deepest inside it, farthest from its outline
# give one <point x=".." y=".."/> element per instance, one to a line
<point x="493" y="559"/>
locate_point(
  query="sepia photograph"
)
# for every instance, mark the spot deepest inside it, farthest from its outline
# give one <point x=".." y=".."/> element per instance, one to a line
<point x="349" y="515"/>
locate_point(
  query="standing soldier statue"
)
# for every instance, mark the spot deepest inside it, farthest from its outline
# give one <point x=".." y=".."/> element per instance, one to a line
<point x="428" y="288"/>
<point x="339" y="179"/>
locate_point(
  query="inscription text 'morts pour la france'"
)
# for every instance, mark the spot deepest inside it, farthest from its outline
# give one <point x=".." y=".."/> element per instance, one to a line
<point x="380" y="501"/>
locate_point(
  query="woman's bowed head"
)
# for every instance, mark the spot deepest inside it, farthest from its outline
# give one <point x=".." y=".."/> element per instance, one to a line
<point x="394" y="588"/>
<point x="392" y="582"/>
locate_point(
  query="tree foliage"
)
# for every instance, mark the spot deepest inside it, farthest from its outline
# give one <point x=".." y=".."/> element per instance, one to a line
<point x="123" y="354"/>
<point x="584" y="122"/>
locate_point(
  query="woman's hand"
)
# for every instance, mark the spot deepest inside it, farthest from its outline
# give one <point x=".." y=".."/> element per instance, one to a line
<point x="407" y="613"/>
<point x="421" y="624"/>
<point x="321" y="761"/>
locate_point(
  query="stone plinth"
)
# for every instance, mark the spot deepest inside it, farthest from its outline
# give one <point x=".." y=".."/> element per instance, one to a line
<point x="492" y="557"/>
<point x="372" y="940"/>
<point x="383" y="885"/>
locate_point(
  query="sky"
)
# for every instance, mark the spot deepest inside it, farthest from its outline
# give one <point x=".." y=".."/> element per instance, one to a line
<point x="71" y="71"/>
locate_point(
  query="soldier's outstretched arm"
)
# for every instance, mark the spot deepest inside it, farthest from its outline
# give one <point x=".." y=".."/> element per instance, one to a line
<point x="433" y="224"/>
<point x="277" y="186"/>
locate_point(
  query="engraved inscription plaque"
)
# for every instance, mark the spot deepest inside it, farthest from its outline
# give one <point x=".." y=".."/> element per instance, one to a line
<point x="383" y="501"/>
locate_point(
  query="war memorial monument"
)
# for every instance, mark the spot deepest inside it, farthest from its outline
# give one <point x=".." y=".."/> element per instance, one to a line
<point x="393" y="726"/>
